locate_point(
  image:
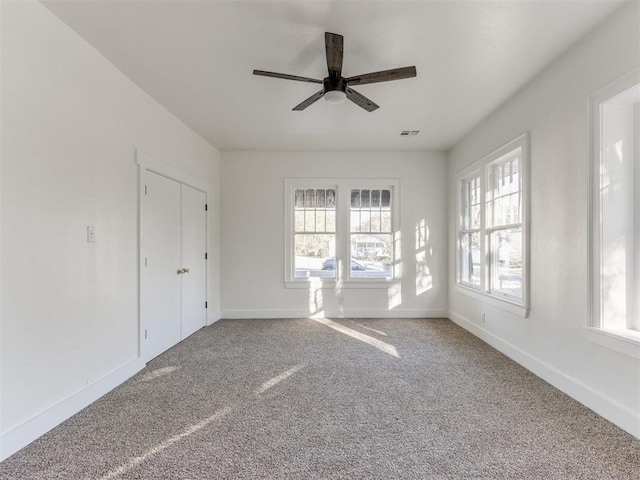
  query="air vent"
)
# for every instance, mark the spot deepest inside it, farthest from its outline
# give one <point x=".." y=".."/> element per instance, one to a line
<point x="409" y="133"/>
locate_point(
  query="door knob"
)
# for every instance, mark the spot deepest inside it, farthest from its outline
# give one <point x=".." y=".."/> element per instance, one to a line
<point x="179" y="271"/>
<point x="185" y="270"/>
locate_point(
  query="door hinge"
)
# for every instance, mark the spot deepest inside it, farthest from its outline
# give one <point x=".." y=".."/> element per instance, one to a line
<point x="145" y="262"/>
<point x="145" y="333"/>
<point x="145" y="189"/>
<point x="206" y="207"/>
<point x="206" y="256"/>
<point x="206" y="304"/>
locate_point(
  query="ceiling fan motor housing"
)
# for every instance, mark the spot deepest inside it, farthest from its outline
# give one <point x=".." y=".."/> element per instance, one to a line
<point x="330" y="84"/>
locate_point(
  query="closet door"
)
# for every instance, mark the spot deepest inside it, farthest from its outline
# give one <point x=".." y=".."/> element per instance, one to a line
<point x="194" y="248"/>
<point x="160" y="292"/>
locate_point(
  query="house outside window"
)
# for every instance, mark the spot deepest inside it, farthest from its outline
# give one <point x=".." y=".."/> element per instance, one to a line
<point x="491" y="259"/>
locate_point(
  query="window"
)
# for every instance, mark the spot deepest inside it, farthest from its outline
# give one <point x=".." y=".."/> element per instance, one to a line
<point x="341" y="229"/>
<point x="615" y="208"/>
<point x="314" y="230"/>
<point x="504" y="229"/>
<point x="371" y="233"/>
<point x="470" y="232"/>
<point x="491" y="235"/>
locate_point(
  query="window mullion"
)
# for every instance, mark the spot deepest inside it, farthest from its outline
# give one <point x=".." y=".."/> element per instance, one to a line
<point x="485" y="219"/>
<point x="343" y="238"/>
<point x="505" y="226"/>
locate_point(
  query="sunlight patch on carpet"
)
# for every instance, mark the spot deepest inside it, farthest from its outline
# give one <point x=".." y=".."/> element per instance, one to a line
<point x="374" y="342"/>
<point x="379" y="332"/>
<point x="278" y="378"/>
<point x="134" y="462"/>
<point x="157" y="373"/>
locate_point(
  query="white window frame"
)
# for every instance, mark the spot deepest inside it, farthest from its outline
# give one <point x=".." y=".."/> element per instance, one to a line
<point x="343" y="187"/>
<point x="483" y="167"/>
<point x="627" y="340"/>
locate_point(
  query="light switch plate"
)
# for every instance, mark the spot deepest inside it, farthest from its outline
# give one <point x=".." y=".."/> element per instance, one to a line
<point x="91" y="233"/>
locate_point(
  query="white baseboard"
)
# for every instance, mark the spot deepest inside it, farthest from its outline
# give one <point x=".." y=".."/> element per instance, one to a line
<point x="20" y="436"/>
<point x="395" y="313"/>
<point x="346" y="313"/>
<point x="608" y="408"/>
<point x="238" y="314"/>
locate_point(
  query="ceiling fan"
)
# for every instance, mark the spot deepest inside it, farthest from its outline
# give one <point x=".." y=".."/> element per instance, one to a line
<point x="335" y="87"/>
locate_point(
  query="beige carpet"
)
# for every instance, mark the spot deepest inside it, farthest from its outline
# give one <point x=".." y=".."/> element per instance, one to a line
<point x="348" y="399"/>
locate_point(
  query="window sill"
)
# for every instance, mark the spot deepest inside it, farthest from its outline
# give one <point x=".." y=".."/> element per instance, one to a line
<point x="498" y="302"/>
<point x="626" y="342"/>
<point x="332" y="283"/>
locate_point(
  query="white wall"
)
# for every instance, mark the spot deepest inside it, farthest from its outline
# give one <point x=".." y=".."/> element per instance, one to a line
<point x="71" y="123"/>
<point x="253" y="233"/>
<point x="552" y="341"/>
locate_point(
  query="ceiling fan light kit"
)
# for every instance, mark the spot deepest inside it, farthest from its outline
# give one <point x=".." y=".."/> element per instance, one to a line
<point x="335" y="97"/>
<point x="336" y="88"/>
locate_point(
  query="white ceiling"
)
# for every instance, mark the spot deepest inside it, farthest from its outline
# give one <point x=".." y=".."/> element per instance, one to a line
<point x="196" y="58"/>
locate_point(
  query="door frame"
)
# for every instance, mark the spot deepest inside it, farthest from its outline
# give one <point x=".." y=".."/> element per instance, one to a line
<point x="148" y="164"/>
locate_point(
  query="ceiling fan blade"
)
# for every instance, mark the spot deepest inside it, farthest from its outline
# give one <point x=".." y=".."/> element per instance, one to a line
<point x="312" y="99"/>
<point x="383" y="76"/>
<point x="334" y="47"/>
<point x="361" y="100"/>
<point x="286" y="76"/>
